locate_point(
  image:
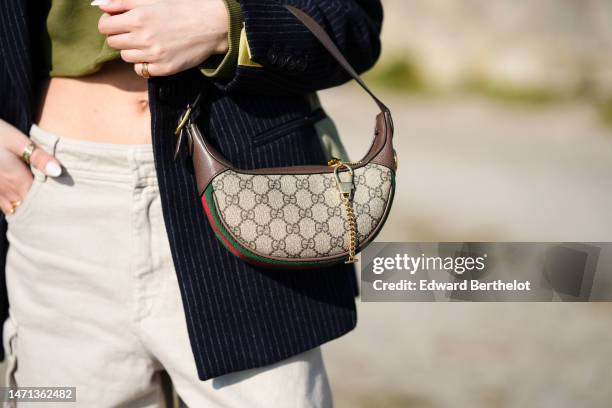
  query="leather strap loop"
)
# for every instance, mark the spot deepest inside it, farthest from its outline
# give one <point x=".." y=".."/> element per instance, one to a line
<point x="193" y="109"/>
<point x="327" y="42"/>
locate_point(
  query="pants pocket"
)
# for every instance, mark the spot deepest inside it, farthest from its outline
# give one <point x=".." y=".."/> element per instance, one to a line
<point x="9" y="342"/>
<point x="30" y="197"/>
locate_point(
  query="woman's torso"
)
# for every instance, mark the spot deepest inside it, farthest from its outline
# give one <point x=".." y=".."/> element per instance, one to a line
<point x="109" y="106"/>
<point x="88" y="92"/>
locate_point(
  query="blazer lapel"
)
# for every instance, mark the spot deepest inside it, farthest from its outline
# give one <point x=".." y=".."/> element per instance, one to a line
<point x="15" y="49"/>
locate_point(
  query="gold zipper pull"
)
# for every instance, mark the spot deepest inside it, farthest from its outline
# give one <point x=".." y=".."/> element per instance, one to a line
<point x="334" y="161"/>
<point x="346" y="188"/>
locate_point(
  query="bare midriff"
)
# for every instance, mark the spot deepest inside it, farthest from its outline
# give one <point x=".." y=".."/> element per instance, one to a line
<point x="109" y="106"/>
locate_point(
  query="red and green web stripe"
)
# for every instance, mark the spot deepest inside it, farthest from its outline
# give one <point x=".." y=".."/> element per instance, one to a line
<point x="244" y="253"/>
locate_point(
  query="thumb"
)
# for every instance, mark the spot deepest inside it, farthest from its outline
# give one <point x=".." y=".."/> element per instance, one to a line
<point x="45" y="162"/>
<point x="41" y="159"/>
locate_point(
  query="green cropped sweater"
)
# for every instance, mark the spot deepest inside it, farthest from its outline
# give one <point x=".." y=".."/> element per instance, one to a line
<point x="76" y="47"/>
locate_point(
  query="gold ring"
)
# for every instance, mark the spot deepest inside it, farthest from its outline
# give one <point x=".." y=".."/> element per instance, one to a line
<point x="144" y="70"/>
<point x="14" y="205"/>
<point x="27" y="152"/>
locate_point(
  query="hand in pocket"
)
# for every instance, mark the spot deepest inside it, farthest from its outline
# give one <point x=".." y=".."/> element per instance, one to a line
<point x="15" y="174"/>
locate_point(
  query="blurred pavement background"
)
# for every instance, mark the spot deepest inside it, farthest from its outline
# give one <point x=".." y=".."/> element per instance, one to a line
<point x="503" y="131"/>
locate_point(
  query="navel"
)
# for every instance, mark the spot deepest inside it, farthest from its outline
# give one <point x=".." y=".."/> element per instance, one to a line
<point x="143" y="105"/>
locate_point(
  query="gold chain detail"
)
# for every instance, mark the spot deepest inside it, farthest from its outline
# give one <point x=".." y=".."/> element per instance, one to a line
<point x="334" y="161"/>
<point x="352" y="228"/>
<point x="345" y="189"/>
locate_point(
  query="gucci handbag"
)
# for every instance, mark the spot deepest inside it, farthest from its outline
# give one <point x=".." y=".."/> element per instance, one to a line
<point x="300" y="216"/>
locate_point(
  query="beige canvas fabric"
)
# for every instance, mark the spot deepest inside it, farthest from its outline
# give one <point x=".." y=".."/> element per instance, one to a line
<point x="94" y="299"/>
<point x="300" y="215"/>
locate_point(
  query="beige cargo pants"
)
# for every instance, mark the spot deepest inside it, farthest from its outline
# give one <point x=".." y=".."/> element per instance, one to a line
<point x="94" y="299"/>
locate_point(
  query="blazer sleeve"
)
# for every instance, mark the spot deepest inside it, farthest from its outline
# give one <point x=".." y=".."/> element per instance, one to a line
<point x="285" y="58"/>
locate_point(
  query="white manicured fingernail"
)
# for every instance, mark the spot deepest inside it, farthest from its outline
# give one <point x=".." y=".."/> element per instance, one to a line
<point x="100" y="2"/>
<point x="53" y="169"/>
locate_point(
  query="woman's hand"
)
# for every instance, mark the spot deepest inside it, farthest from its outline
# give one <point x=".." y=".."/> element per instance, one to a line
<point x="15" y="175"/>
<point x="169" y="35"/>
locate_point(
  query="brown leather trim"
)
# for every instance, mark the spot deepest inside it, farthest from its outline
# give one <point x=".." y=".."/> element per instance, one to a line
<point x="386" y="155"/>
<point x="208" y="161"/>
<point x="341" y="256"/>
<point x="383" y="142"/>
<point x="205" y="162"/>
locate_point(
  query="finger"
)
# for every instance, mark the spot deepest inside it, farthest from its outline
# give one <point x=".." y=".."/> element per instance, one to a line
<point x="5" y="205"/>
<point x="125" y="41"/>
<point x="9" y="204"/>
<point x="39" y="158"/>
<point x="119" y="6"/>
<point x="45" y="162"/>
<point x="116" y="24"/>
<point x="22" y="189"/>
<point x="138" y="68"/>
<point x="15" y="197"/>
<point x="135" y="56"/>
<point x="155" y="70"/>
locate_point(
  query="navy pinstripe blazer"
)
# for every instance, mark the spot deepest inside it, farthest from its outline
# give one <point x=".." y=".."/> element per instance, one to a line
<point x="238" y="316"/>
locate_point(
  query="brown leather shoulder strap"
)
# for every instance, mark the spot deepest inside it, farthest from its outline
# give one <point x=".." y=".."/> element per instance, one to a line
<point x="327" y="42"/>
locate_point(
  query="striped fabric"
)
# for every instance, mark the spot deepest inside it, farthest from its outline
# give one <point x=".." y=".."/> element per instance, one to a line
<point x="354" y="25"/>
<point x="238" y="316"/>
<point x="15" y="98"/>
